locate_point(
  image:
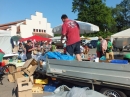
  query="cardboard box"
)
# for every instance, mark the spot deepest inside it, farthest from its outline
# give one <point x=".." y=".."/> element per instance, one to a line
<point x="12" y="69"/>
<point x="22" y="80"/>
<point x="11" y="78"/>
<point x="28" y="62"/>
<point x="30" y="71"/>
<point x="18" y="75"/>
<point x="37" y="88"/>
<point x="30" y="66"/>
<point x="25" y="79"/>
<point x="41" y="81"/>
<point x="31" y="79"/>
<point x="20" y="68"/>
<point x="24" y="86"/>
<point x="27" y="93"/>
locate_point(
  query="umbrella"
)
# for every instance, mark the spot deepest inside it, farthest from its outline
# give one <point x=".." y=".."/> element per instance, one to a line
<point x="82" y="37"/>
<point x="36" y="38"/>
<point x="84" y="28"/>
<point x="16" y="38"/>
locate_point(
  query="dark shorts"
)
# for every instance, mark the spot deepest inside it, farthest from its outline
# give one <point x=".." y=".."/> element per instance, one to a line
<point x="29" y="56"/>
<point x="73" y="49"/>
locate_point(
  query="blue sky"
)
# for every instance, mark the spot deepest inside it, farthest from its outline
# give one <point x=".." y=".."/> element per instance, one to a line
<point x="13" y="10"/>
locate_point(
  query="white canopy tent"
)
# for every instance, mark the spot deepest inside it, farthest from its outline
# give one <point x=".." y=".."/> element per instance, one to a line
<point x="5" y="44"/>
<point x="122" y="34"/>
<point x="84" y="28"/>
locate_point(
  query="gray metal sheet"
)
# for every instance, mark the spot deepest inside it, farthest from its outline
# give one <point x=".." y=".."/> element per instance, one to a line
<point x="97" y="71"/>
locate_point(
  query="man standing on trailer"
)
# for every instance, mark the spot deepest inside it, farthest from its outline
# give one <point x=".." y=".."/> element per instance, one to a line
<point x="70" y="30"/>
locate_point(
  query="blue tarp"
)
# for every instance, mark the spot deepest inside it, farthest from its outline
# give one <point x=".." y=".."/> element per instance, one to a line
<point x="59" y="56"/>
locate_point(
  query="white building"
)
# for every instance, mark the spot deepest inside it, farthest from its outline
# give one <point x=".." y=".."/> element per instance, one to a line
<point x="36" y="25"/>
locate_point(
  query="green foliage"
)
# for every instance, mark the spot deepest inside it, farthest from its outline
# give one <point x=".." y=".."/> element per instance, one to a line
<point x="93" y="11"/>
<point x="109" y="20"/>
<point x="121" y="14"/>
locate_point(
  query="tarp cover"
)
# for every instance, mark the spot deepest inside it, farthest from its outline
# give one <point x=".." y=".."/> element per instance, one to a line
<point x="122" y="34"/>
<point x="76" y="92"/>
<point x="5" y="44"/>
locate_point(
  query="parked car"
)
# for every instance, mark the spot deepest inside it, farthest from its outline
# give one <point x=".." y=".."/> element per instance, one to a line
<point x="92" y="44"/>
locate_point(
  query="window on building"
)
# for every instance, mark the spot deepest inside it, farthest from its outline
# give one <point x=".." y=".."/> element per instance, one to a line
<point x="45" y="31"/>
<point x="42" y="30"/>
<point x="39" y="30"/>
<point x="34" y="30"/>
<point x="39" y="22"/>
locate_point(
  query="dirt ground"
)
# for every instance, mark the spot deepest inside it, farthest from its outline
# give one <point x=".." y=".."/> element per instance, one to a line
<point x="9" y="89"/>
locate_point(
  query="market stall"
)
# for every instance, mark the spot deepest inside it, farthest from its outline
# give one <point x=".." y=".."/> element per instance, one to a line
<point x="121" y="39"/>
<point x="122" y="34"/>
<point x="5" y="41"/>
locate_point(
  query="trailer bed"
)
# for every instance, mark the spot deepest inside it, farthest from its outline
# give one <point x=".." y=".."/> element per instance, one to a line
<point x="96" y="73"/>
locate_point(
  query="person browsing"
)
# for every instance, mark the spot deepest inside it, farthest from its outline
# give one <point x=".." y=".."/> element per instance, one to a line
<point x="29" y="50"/>
<point x="70" y="30"/>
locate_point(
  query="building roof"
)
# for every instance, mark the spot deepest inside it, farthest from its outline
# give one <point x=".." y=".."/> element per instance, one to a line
<point x="11" y="23"/>
<point x="4" y="27"/>
<point x="7" y="25"/>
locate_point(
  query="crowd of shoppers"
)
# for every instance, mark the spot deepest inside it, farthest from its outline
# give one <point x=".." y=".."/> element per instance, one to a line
<point x="104" y="48"/>
<point x="33" y="49"/>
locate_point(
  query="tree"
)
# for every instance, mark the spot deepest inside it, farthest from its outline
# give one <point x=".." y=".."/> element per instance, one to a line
<point x="121" y="14"/>
<point x="94" y="11"/>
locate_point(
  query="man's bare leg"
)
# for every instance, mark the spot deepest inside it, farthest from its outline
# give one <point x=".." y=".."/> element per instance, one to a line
<point x="78" y="57"/>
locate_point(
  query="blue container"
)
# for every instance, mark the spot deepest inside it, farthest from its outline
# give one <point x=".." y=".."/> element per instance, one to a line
<point x="49" y="88"/>
<point x="119" y="61"/>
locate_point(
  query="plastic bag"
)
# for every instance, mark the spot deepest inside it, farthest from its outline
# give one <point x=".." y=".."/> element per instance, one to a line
<point x="82" y="92"/>
<point x="61" y="91"/>
<point x="77" y="92"/>
<point x="92" y="93"/>
<point x="60" y="94"/>
<point x="62" y="88"/>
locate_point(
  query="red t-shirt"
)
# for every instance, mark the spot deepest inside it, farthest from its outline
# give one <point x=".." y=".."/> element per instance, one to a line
<point x="71" y="30"/>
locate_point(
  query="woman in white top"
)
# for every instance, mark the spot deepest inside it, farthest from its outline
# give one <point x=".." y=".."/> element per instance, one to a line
<point x="82" y="51"/>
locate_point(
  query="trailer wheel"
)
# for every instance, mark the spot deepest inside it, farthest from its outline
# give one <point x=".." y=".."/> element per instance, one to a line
<point x="112" y="93"/>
